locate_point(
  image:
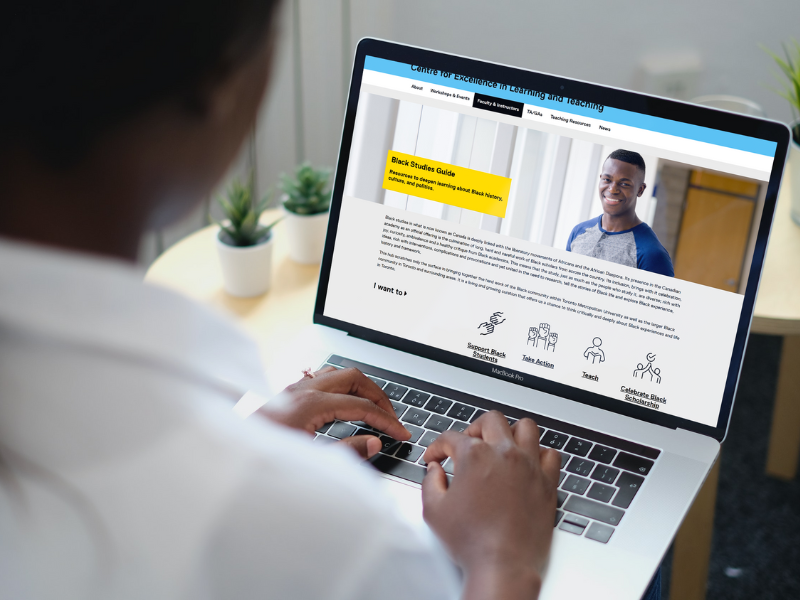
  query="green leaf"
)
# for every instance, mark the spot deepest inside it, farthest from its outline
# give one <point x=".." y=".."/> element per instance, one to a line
<point x="308" y="191"/>
<point x="243" y="213"/>
<point x="790" y="70"/>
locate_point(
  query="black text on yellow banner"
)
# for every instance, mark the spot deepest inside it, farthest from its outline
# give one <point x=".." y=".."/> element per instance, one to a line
<point x="442" y="182"/>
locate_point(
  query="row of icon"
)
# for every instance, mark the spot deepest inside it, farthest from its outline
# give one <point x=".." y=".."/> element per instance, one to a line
<point x="542" y="337"/>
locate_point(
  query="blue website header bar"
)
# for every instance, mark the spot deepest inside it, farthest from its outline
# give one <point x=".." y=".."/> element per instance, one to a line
<point x="606" y="113"/>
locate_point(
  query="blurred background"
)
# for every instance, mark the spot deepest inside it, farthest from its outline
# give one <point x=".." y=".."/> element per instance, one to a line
<point x="681" y="49"/>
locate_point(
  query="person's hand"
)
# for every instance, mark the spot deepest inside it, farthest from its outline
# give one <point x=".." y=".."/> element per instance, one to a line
<point x="496" y="516"/>
<point x="344" y="394"/>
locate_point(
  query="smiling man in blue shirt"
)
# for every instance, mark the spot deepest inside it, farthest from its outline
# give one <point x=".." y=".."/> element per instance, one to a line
<point x="618" y="235"/>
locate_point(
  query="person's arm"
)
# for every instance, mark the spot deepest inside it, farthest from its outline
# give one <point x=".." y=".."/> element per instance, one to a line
<point x="496" y="516"/>
<point x="571" y="237"/>
<point x="652" y="256"/>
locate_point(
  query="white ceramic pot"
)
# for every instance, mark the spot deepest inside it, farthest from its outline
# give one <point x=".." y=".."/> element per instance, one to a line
<point x="306" y="235"/>
<point x="794" y="176"/>
<point x="246" y="270"/>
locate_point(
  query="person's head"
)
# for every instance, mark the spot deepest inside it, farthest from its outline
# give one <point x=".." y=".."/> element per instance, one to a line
<point x="118" y="110"/>
<point x="621" y="182"/>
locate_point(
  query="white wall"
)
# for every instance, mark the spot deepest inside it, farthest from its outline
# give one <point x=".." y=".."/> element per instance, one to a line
<point x="604" y="41"/>
<point x="601" y="42"/>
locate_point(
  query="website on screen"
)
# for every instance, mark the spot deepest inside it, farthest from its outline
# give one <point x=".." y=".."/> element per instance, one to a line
<point x="542" y="234"/>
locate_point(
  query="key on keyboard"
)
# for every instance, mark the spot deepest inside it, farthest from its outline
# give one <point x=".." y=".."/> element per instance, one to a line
<point x="601" y="492"/>
<point x="628" y="485"/>
<point x="594" y="510"/>
<point x="380" y="382"/>
<point x="477" y="415"/>
<point x="409" y="452"/>
<point x="599" y="533"/>
<point x="564" y="459"/>
<point x="604" y="474"/>
<point x="637" y="464"/>
<point x="399" y="468"/>
<point x="575" y="484"/>
<point x="341" y="430"/>
<point x="438" y="405"/>
<point x="581" y="466"/>
<point x="415" y="398"/>
<point x="416" y="416"/>
<point x="399" y="409"/>
<point x="416" y="433"/>
<point x="459" y="411"/>
<point x="602" y="454"/>
<point x="578" y="446"/>
<point x="459" y="426"/>
<point x="389" y="444"/>
<point x="553" y="439"/>
<point x="394" y="391"/>
<point x="437" y="423"/>
<point x="428" y="438"/>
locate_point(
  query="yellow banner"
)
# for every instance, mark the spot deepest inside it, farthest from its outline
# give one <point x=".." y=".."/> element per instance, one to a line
<point x="442" y="182"/>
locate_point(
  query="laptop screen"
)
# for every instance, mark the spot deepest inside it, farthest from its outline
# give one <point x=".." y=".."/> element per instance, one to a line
<point x="547" y="237"/>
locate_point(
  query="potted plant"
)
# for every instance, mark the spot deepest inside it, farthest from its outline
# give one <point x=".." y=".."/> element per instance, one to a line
<point x="306" y="200"/>
<point x="244" y="243"/>
<point x="790" y="68"/>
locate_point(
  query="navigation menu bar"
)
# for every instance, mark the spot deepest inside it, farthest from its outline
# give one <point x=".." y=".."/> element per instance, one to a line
<point x="749" y="164"/>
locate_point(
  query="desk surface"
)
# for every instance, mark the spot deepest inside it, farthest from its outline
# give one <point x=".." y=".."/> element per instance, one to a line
<point x="778" y="304"/>
<point x="191" y="266"/>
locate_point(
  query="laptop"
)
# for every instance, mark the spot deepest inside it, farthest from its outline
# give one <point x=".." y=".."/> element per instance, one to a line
<point x="482" y="254"/>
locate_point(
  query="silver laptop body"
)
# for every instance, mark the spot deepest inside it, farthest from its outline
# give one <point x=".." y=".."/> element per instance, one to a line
<point x="459" y="293"/>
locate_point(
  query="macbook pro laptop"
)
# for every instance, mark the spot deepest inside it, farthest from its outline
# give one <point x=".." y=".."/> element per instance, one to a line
<point x="475" y="261"/>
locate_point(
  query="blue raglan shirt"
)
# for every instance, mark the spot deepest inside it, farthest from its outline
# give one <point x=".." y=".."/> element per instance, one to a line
<point x="637" y="247"/>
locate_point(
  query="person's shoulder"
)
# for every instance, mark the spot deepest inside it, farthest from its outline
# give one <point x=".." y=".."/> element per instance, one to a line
<point x="581" y="227"/>
<point x="647" y="238"/>
<point x="651" y="254"/>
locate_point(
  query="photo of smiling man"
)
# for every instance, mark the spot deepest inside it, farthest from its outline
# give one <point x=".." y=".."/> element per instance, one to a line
<point x="618" y="235"/>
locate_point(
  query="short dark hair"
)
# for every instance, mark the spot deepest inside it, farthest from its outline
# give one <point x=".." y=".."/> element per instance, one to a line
<point x="630" y="157"/>
<point x="72" y="71"/>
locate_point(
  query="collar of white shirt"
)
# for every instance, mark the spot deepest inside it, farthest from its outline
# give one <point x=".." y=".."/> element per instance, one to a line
<point x="102" y="304"/>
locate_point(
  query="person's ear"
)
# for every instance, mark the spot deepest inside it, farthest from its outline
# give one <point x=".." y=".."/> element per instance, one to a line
<point x="217" y="98"/>
<point x="642" y="188"/>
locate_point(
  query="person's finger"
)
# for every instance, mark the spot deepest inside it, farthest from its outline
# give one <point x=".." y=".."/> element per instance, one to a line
<point x="354" y="382"/>
<point x="324" y="370"/>
<point x="433" y="486"/>
<point x="492" y="427"/>
<point x="526" y="434"/>
<point x="550" y="461"/>
<point x="450" y="443"/>
<point x="366" y="446"/>
<point x="352" y="408"/>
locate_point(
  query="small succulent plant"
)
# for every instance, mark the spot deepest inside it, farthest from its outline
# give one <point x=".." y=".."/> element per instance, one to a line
<point x="242" y="213"/>
<point x="307" y="193"/>
<point x="790" y="68"/>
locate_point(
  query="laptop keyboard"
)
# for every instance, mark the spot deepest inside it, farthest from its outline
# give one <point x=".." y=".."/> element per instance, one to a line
<point x="600" y="474"/>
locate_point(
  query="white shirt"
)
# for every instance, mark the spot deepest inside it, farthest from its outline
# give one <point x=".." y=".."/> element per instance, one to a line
<point x="124" y="473"/>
